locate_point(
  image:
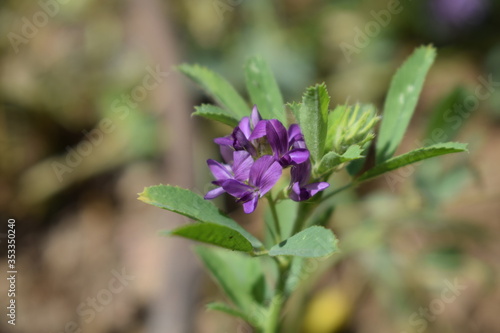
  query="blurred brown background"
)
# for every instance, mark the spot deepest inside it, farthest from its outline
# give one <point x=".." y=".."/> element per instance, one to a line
<point x="92" y="111"/>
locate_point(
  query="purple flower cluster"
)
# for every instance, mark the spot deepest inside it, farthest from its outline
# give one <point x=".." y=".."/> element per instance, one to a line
<point x="255" y="155"/>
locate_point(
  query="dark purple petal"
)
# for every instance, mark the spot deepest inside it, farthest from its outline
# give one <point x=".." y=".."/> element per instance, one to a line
<point x="299" y="144"/>
<point x="264" y="173"/>
<point x="294" y="157"/>
<point x="259" y="131"/>
<point x="214" y="193"/>
<point x="243" y="161"/>
<point x="305" y="193"/>
<point x="241" y="141"/>
<point x="294" y="134"/>
<point x="255" y="117"/>
<point x="295" y="194"/>
<point x="237" y="189"/>
<point x="300" y="173"/>
<point x="316" y="187"/>
<point x="220" y="171"/>
<point x="249" y="206"/>
<point x="277" y="137"/>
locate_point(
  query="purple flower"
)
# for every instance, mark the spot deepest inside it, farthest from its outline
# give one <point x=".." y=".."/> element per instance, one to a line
<point x="301" y="190"/>
<point x="255" y="154"/>
<point x="263" y="175"/>
<point x="287" y="146"/>
<point x="240" y="138"/>
<point x="239" y="170"/>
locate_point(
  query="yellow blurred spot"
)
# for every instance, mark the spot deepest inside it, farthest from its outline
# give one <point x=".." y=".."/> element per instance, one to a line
<point x="326" y="312"/>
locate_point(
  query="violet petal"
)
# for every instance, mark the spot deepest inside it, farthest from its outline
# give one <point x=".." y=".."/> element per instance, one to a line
<point x="277" y="137"/>
<point x="300" y="173"/>
<point x="295" y="156"/>
<point x="316" y="187"/>
<point x="255" y="117"/>
<point x="264" y="174"/>
<point x="225" y="140"/>
<point x="237" y="189"/>
<point x="212" y="194"/>
<point x="220" y="171"/>
<point x="244" y="125"/>
<point x="249" y="206"/>
<point x="259" y="131"/>
<point x="243" y="161"/>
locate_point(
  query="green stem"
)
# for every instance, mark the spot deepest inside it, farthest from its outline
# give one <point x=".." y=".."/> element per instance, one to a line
<point x="272" y="324"/>
<point x="277" y="228"/>
<point x="340" y="189"/>
<point x="279" y="298"/>
<point x="305" y="209"/>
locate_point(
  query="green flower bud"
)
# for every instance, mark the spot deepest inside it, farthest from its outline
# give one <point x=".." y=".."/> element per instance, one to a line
<point x="351" y="125"/>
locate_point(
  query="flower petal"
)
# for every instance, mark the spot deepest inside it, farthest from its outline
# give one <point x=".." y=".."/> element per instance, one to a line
<point x="300" y="173"/>
<point x="294" y="134"/>
<point x="295" y="193"/>
<point x="227" y="154"/>
<point x="277" y="137"/>
<point x="241" y="141"/>
<point x="220" y="171"/>
<point x="225" y="140"/>
<point x="244" y="126"/>
<point x="316" y="187"/>
<point x="259" y="131"/>
<point x="255" y="116"/>
<point x="212" y="194"/>
<point x="264" y="174"/>
<point x="243" y="161"/>
<point x="237" y="189"/>
<point x="249" y="206"/>
<point x="294" y="157"/>
<point x="305" y="193"/>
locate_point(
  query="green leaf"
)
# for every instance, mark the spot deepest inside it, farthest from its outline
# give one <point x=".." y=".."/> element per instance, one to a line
<point x="312" y="242"/>
<point x="187" y="203"/>
<point x="446" y="119"/>
<point x="263" y="89"/>
<point x="401" y="100"/>
<point x="332" y="160"/>
<point x="215" y="113"/>
<point x="216" y="306"/>
<point x="313" y="118"/>
<point x="215" y="234"/>
<point x="237" y="274"/>
<point x="217" y="87"/>
<point x="412" y="157"/>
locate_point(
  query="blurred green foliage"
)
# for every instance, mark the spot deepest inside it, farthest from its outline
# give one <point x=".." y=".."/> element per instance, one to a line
<point x="65" y="79"/>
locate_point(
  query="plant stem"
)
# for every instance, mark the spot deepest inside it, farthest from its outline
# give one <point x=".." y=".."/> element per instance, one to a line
<point x="272" y="324"/>
<point x="340" y="189"/>
<point x="277" y="228"/>
<point x="279" y="298"/>
<point x="305" y="209"/>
